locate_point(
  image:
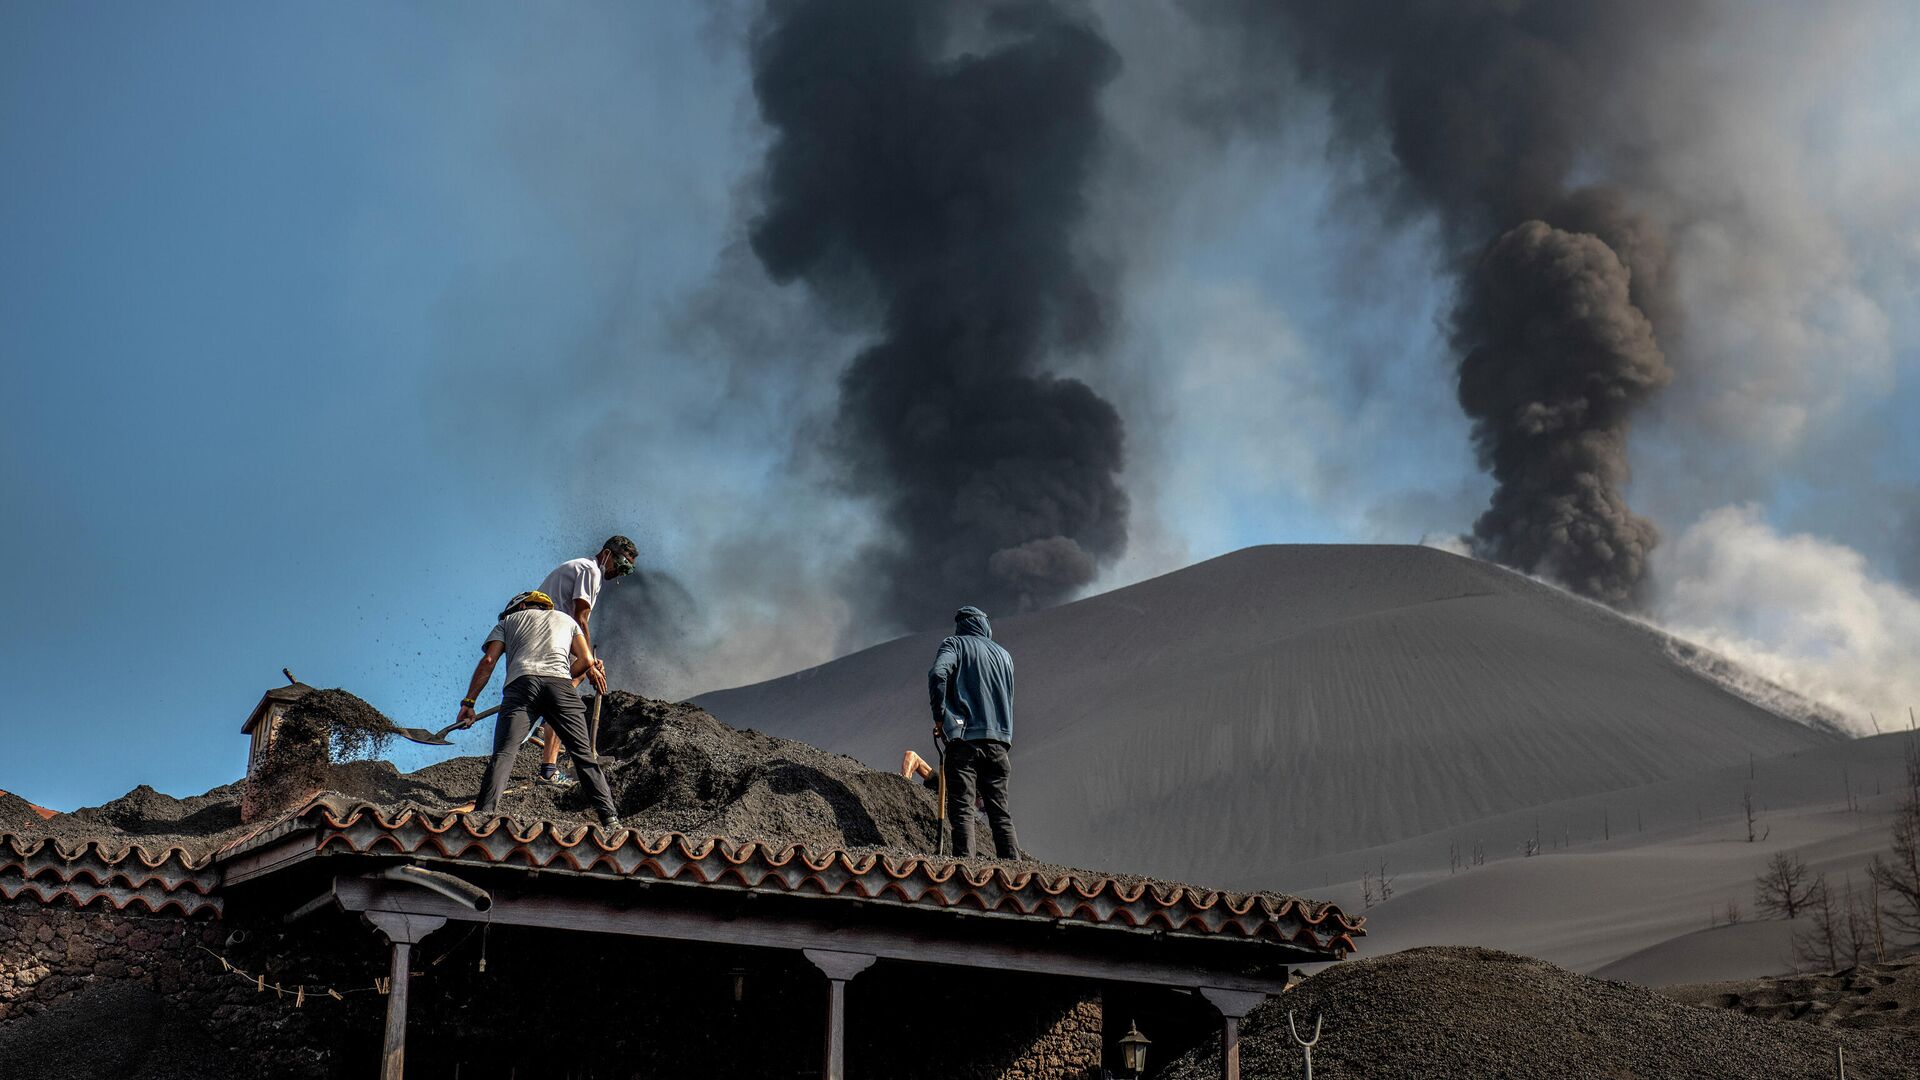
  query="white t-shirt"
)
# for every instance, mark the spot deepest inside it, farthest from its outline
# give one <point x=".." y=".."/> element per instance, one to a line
<point x="575" y="579"/>
<point x="538" y="641"/>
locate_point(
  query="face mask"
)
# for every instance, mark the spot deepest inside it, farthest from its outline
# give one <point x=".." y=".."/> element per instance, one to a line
<point x="623" y="568"/>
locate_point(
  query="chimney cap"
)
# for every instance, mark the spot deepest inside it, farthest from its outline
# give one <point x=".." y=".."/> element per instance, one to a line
<point x="279" y="695"/>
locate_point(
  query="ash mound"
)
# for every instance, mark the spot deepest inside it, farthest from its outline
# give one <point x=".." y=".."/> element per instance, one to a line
<point x="1470" y="1013"/>
<point x="17" y="814"/>
<point x="673" y="768"/>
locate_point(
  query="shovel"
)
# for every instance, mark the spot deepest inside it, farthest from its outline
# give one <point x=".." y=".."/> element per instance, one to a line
<point x="940" y="815"/>
<point x="437" y="738"/>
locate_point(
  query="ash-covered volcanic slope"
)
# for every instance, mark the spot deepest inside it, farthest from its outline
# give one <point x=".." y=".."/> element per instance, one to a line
<point x="1288" y="702"/>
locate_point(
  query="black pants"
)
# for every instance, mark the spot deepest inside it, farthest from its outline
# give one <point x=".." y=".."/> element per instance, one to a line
<point x="991" y="764"/>
<point x="528" y="700"/>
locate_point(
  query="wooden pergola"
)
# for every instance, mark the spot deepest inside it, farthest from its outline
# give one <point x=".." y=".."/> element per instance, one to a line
<point x="410" y="874"/>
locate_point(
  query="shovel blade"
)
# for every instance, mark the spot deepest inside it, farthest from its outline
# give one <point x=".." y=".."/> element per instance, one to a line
<point x="422" y="735"/>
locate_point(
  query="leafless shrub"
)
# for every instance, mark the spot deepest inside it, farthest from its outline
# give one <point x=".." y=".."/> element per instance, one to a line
<point x="1784" y="889"/>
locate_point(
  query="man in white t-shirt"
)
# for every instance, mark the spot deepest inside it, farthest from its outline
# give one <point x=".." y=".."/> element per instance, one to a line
<point x="544" y="648"/>
<point x="574" y="587"/>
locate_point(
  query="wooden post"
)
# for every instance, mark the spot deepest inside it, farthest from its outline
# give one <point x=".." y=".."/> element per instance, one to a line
<point x="838" y="967"/>
<point x="1233" y="1004"/>
<point x="404" y="931"/>
<point x="393" y="1049"/>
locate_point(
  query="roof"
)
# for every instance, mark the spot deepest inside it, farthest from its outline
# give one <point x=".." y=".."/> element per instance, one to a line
<point x="276" y="696"/>
<point x="121" y="877"/>
<point x="331" y="824"/>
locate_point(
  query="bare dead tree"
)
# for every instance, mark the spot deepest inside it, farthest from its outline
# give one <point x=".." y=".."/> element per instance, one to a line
<point x="1747" y="800"/>
<point x="1818" y="946"/>
<point x="1606" y="824"/>
<point x="1733" y="912"/>
<point x="1366" y="889"/>
<point x="1479" y="853"/>
<point x="1385" y="882"/>
<point x="1453" y="856"/>
<point x="1896" y="874"/>
<point x="1784" y="888"/>
<point x="1879" y="932"/>
<point x="1859" y="926"/>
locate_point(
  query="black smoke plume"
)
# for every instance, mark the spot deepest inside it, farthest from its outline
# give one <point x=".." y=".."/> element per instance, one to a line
<point x="927" y="177"/>
<point x="1555" y="359"/>
<point x="644" y="628"/>
<point x="1491" y="112"/>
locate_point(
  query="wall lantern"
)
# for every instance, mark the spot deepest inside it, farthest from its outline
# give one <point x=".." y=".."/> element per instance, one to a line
<point x="1133" y="1049"/>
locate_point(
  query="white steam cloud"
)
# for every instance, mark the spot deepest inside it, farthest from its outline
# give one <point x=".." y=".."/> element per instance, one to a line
<point x="1799" y="610"/>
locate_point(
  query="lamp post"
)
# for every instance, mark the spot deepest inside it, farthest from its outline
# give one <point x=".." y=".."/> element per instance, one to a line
<point x="1133" y="1050"/>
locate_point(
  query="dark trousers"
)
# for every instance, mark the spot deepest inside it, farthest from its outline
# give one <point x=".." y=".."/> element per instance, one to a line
<point x="990" y="764"/>
<point x="528" y="700"/>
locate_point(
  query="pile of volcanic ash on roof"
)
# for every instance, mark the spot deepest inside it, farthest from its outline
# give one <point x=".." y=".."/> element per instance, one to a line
<point x="149" y="818"/>
<point x="17" y="814"/>
<point x="312" y="747"/>
<point x="1456" y="1013"/>
<point x="674" y="768"/>
<point x="680" y="769"/>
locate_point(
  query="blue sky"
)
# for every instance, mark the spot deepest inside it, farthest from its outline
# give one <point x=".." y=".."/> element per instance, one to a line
<point x="327" y="327"/>
<point x="271" y="284"/>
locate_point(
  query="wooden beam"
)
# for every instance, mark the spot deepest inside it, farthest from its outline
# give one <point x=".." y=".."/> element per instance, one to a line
<point x="765" y="927"/>
<point x="274" y="856"/>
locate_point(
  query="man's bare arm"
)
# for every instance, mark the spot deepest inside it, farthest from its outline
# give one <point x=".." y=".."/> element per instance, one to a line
<point x="482" y="671"/>
<point x="581" y="612"/>
<point x="583" y="654"/>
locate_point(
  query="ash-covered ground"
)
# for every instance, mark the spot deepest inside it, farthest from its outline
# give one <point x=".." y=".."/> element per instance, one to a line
<point x="1455" y="1013"/>
<point x="1885" y="995"/>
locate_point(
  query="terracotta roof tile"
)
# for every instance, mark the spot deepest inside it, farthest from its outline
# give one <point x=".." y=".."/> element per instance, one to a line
<point x="122" y="877"/>
<point x="345" y="826"/>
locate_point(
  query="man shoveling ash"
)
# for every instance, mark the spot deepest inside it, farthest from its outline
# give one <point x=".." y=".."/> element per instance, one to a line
<point x="574" y="587"/>
<point x="971" y="689"/>
<point x="544" y="649"/>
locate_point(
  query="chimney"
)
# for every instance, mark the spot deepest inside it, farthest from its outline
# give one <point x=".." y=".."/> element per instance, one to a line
<point x="262" y="726"/>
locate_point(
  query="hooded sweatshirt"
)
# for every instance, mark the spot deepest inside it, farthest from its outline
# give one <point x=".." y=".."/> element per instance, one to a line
<point x="971" y="682"/>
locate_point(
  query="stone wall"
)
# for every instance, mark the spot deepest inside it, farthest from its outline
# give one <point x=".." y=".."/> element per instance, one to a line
<point x="94" y="992"/>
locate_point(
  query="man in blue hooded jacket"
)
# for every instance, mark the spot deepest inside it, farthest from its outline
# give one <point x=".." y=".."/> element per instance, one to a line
<point x="971" y="687"/>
